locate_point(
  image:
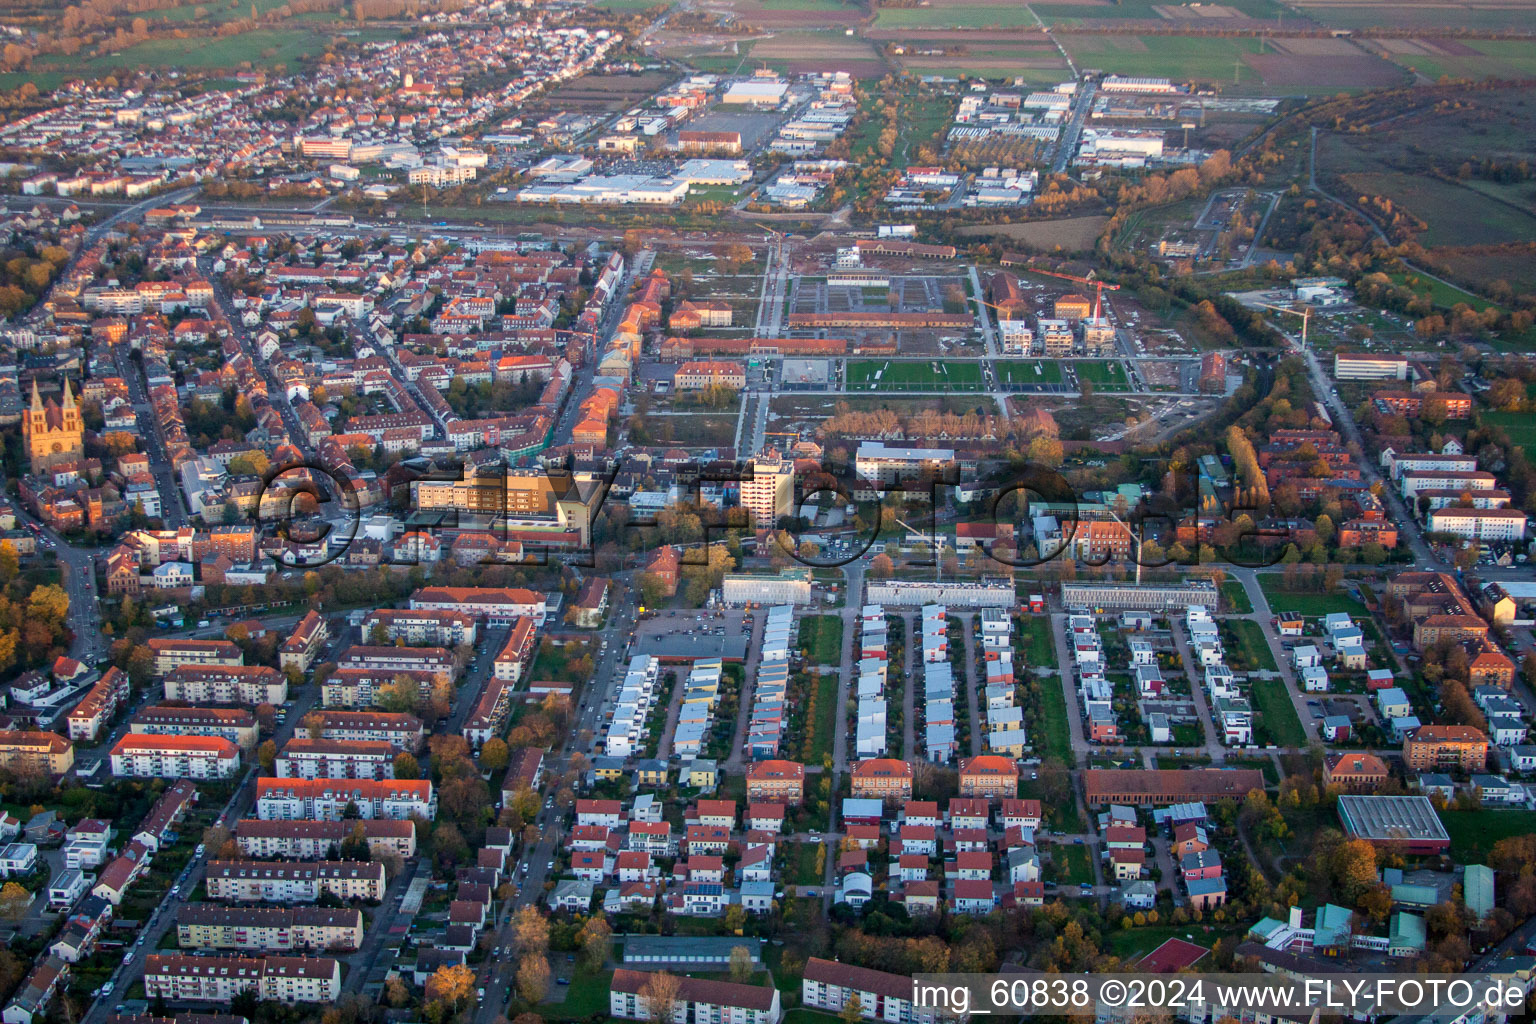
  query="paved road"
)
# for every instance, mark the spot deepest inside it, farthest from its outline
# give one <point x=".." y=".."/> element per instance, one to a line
<point x="239" y="805"/>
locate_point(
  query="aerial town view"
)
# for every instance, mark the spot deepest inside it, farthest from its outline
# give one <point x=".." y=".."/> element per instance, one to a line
<point x="713" y="511"/>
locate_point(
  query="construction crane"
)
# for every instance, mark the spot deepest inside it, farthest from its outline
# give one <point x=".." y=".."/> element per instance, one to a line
<point x="1305" y="312"/>
<point x="1099" y="286"/>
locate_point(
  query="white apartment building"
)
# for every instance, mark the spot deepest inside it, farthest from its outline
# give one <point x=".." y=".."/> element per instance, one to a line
<point x="138" y="755"/>
<point x="1485" y="524"/>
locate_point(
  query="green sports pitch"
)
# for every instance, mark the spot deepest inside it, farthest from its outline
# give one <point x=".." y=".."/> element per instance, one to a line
<point x="1023" y="371"/>
<point x="913" y="375"/>
<point x="1102" y="374"/>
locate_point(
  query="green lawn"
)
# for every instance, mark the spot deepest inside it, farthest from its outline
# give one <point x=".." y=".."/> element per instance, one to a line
<point x="1444" y="295"/>
<point x="1307" y="604"/>
<point x="1022" y="371"/>
<point x="1473" y="833"/>
<point x="826" y="718"/>
<point x="914" y="375"/>
<point x="587" y="995"/>
<point x="1250" y="640"/>
<point x="1278" y="723"/>
<point x="822" y="636"/>
<point x="1039" y="644"/>
<point x="1237" y="597"/>
<point x="1106" y="375"/>
<point x="1051" y="734"/>
<point x="1071" y="864"/>
<point x="800" y="864"/>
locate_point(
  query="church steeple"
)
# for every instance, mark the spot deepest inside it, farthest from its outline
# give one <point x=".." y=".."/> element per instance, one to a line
<point x="37" y="397"/>
<point x="69" y="397"/>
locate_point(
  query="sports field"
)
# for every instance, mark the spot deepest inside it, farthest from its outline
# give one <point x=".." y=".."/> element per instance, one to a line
<point x="1029" y="371"/>
<point x="913" y="375"/>
<point x="1102" y="374"/>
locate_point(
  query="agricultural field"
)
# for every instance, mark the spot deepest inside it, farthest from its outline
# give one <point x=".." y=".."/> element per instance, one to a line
<point x="1023" y="371"/>
<point x="1070" y="234"/>
<point x="913" y="375"/>
<point x="267" y="48"/>
<point x="1480" y="231"/>
<point x="810" y="51"/>
<point x="1238" y="64"/>
<point x="971" y="15"/>
<point x="1213" y="59"/>
<point x="1356" y="14"/>
<point x="1433" y="59"/>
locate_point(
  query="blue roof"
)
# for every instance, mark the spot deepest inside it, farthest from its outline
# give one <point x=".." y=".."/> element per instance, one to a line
<point x="1207" y="886"/>
<point x="1332" y="927"/>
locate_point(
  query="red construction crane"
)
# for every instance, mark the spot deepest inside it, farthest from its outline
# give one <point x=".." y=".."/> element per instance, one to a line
<point x="1098" y="299"/>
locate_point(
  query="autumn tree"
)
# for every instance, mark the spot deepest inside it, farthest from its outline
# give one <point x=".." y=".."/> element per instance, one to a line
<point x="530" y="932"/>
<point x="453" y="984"/>
<point x="406" y="766"/>
<point x="742" y="968"/>
<point x="533" y="979"/>
<point x="14" y="901"/>
<point x="660" y="993"/>
<point x="593" y="939"/>
<point x="494" y="755"/>
<point x="266" y="756"/>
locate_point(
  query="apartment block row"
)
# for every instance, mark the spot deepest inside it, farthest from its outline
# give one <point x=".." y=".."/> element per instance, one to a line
<point x="939" y="738"/>
<point x="874" y="660"/>
<point x="765" y="729"/>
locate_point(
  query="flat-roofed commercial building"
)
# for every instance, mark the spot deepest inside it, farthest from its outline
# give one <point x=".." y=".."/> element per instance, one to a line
<point x="1369" y="366"/>
<point x="1147" y="596"/>
<point x="1409" y="821"/>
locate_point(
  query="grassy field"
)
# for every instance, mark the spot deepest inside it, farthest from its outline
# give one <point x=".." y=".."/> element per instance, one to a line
<point x="1136" y="941"/>
<point x="822" y="635"/>
<point x="1105" y="374"/>
<point x="826" y="718"/>
<point x="262" y="48"/>
<point x="1069" y="234"/>
<point x="1473" y="833"/>
<point x="1278" y="723"/>
<point x="1250" y="640"/>
<point x="1308" y="604"/>
<point x="914" y="375"/>
<point x="1052" y="735"/>
<point x="1236" y="597"/>
<point x="1072" y="865"/>
<point x="587" y="995"/>
<point x="1454" y="215"/>
<point x="1039" y="645"/>
<point x="1520" y="426"/>
<point x="1022" y="371"/>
